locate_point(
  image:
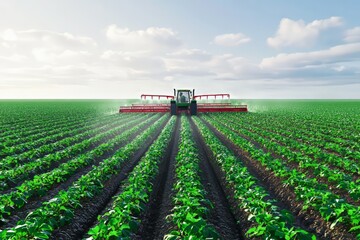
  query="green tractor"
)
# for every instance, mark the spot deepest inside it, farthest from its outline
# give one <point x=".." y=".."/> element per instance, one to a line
<point x="183" y="102"/>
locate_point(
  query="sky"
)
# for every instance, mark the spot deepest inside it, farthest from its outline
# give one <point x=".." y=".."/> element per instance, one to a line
<point x="113" y="49"/>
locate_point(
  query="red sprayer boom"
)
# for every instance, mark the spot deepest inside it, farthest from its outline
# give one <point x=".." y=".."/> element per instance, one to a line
<point x="184" y="101"/>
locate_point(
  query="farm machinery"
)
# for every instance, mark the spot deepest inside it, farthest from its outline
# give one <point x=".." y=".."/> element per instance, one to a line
<point x="184" y="100"/>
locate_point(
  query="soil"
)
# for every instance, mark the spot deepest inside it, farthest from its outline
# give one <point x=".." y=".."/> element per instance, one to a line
<point x="154" y="224"/>
<point x="91" y="208"/>
<point x="355" y="175"/>
<point x="228" y="219"/>
<point x="309" y="219"/>
<point x="53" y="165"/>
<point x="35" y="202"/>
<point x="221" y="216"/>
<point x="308" y="172"/>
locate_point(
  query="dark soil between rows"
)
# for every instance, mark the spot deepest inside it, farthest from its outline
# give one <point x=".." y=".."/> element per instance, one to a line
<point x="54" y="131"/>
<point x="221" y="216"/>
<point x="34" y="127"/>
<point x="35" y="202"/>
<point x="85" y="217"/>
<point x="53" y="165"/>
<point x="309" y="172"/>
<point x="154" y="224"/>
<point x="309" y="219"/>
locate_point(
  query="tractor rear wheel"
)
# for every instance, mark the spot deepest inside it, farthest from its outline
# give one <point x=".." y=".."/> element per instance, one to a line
<point x="173" y="108"/>
<point x="193" y="107"/>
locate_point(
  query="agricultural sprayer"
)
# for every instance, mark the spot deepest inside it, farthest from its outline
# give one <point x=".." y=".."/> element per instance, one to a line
<point x="184" y="100"/>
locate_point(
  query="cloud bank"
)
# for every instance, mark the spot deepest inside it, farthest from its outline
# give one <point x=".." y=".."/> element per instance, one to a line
<point x="293" y="33"/>
<point x="155" y="58"/>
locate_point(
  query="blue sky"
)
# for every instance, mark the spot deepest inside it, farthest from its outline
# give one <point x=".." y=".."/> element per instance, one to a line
<point x="120" y="49"/>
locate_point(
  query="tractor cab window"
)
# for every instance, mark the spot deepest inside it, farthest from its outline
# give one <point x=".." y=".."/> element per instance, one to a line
<point x="183" y="97"/>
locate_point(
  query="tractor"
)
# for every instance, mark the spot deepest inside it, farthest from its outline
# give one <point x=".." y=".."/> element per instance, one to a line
<point x="184" y="100"/>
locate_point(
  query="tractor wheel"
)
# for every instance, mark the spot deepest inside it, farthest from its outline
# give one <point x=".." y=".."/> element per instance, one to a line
<point x="193" y="108"/>
<point x="173" y="108"/>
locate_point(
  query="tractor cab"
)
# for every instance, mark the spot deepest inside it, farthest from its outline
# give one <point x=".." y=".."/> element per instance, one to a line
<point x="183" y="102"/>
<point x="184" y="96"/>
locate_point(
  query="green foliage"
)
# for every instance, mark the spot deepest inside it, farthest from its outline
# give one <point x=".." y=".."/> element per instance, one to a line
<point x="60" y="210"/>
<point x="123" y="218"/>
<point x="322" y="138"/>
<point x="190" y="205"/>
<point x="313" y="194"/>
<point x="268" y="221"/>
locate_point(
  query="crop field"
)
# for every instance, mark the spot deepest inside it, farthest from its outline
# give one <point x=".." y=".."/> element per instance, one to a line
<point x="80" y="170"/>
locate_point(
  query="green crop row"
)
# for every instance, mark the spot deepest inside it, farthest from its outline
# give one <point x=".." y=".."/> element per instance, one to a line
<point x="310" y="126"/>
<point x="46" y="132"/>
<point x="331" y="206"/>
<point x="19" y="129"/>
<point x="22" y="172"/>
<point x="190" y="204"/>
<point x="34" y="154"/>
<point x="37" y="125"/>
<point x="342" y="180"/>
<point x="52" y="135"/>
<point x="60" y="210"/>
<point x="268" y="221"/>
<point x="316" y="146"/>
<point x="41" y="183"/>
<point x="310" y="135"/>
<point x="327" y="118"/>
<point x="122" y="219"/>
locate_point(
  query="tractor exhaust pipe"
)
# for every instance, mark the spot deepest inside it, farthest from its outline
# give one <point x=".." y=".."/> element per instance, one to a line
<point x="193" y="93"/>
<point x="174" y="92"/>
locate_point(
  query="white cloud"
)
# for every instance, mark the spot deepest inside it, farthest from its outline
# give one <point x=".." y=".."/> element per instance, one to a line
<point x="50" y="56"/>
<point x="299" y="34"/>
<point x="9" y="35"/>
<point x="340" y="53"/>
<point x="152" y="38"/>
<point x="192" y="54"/>
<point x="352" y="35"/>
<point x="231" y="39"/>
<point x="35" y="58"/>
<point x="138" y="63"/>
<point x="56" y="40"/>
<point x="46" y="46"/>
<point x="15" y="58"/>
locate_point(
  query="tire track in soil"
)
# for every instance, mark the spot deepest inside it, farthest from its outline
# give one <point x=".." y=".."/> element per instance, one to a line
<point x="309" y="219"/>
<point x="154" y="224"/>
<point x="85" y="217"/>
<point x="36" y="202"/>
<point x="221" y="215"/>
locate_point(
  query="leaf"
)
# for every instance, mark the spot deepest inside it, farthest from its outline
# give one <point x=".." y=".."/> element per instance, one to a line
<point x="353" y="229"/>
<point x="251" y="231"/>
<point x="94" y="230"/>
<point x="250" y="217"/>
<point x="133" y="225"/>
<point x="174" y="235"/>
<point x="335" y="222"/>
<point x="191" y="217"/>
<point x="41" y="235"/>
